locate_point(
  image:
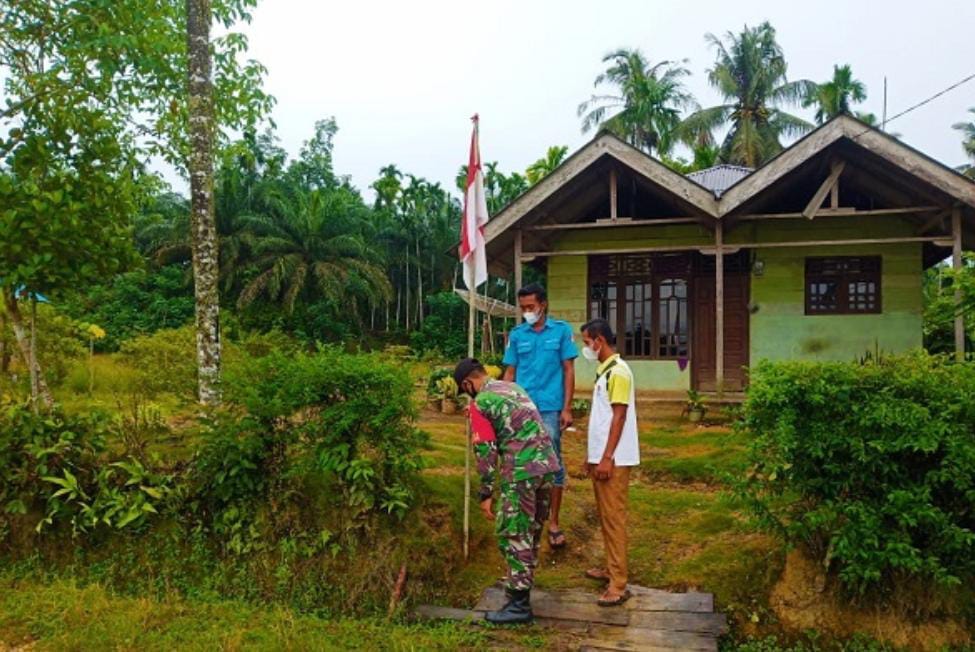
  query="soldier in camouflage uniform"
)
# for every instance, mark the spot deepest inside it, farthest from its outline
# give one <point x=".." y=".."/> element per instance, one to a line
<point x="507" y="428"/>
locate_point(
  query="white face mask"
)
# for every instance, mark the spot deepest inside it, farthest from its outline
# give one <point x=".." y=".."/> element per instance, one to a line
<point x="589" y="354"/>
<point x="531" y="318"/>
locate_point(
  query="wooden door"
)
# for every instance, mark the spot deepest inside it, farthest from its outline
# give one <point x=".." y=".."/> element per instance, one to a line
<point x="735" y="332"/>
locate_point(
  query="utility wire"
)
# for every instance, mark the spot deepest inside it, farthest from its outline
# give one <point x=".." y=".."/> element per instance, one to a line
<point x="922" y="102"/>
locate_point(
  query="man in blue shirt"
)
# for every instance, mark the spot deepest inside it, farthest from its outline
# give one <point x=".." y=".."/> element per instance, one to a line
<point x="539" y="358"/>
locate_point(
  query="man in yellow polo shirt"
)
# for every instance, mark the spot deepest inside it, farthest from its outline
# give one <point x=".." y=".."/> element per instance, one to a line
<point x="614" y="448"/>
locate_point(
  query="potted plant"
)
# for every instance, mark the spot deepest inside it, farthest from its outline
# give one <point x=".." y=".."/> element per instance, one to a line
<point x="580" y="408"/>
<point x="696" y="407"/>
<point x="434" y="394"/>
<point x="448" y="395"/>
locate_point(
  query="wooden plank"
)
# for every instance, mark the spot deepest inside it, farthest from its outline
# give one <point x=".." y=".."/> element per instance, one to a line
<point x="593" y="644"/>
<point x="712" y="624"/>
<point x="529" y="255"/>
<point x="719" y="308"/>
<point x="433" y="612"/>
<point x="518" y="271"/>
<point x="664" y="639"/>
<point x="956" y="263"/>
<point x="603" y="223"/>
<point x="817" y="199"/>
<point x="545" y="605"/>
<point x="612" y="193"/>
<point x="645" y="599"/>
<point x="938" y="219"/>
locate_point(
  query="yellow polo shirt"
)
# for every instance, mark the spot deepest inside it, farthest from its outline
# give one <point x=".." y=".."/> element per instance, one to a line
<point x="620" y="380"/>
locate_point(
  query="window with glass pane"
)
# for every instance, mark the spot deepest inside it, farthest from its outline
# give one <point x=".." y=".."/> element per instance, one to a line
<point x="638" y="319"/>
<point x="672" y="330"/>
<point x="843" y="285"/>
<point x="644" y="299"/>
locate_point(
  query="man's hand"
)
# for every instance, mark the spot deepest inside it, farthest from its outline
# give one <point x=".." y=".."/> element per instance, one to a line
<point x="486" y="508"/>
<point x="586" y="469"/>
<point x="604" y="469"/>
<point x="565" y="419"/>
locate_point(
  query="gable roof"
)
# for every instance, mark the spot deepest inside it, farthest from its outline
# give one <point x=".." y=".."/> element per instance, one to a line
<point x="720" y="190"/>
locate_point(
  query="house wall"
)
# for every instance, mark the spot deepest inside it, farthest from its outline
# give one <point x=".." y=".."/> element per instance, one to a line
<point x="779" y="329"/>
<point x="568" y="291"/>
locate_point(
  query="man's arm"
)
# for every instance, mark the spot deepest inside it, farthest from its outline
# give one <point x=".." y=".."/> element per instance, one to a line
<point x="569" y="376"/>
<point x="605" y="466"/>
<point x="486" y="454"/>
<point x="509" y="373"/>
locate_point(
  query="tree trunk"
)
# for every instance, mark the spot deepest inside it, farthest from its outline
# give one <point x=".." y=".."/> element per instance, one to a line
<point x="419" y="285"/>
<point x="406" y="299"/>
<point x="28" y="352"/>
<point x="4" y="349"/>
<point x="203" y="225"/>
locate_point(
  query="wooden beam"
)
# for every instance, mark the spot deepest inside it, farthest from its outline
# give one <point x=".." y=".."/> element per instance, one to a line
<point x="619" y="221"/>
<point x="956" y="265"/>
<point x="839" y="212"/>
<point x="530" y="255"/>
<point x="937" y="219"/>
<point x="834" y="195"/>
<point x="836" y="169"/>
<point x="719" y="308"/>
<point x="518" y="256"/>
<point x="612" y="193"/>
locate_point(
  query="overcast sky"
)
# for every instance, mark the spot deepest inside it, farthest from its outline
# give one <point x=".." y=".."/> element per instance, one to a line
<point x="402" y="78"/>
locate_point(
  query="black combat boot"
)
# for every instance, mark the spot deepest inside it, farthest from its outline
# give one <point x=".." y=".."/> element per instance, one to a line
<point x="517" y="610"/>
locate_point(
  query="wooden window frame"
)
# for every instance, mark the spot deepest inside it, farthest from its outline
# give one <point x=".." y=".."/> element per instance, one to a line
<point x="873" y="273"/>
<point x="652" y="275"/>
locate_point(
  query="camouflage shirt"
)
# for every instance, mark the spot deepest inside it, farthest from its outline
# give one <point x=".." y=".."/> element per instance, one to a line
<point x="506" y="426"/>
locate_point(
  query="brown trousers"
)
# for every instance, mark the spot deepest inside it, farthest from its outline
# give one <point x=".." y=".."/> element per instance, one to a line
<point x="611" y="497"/>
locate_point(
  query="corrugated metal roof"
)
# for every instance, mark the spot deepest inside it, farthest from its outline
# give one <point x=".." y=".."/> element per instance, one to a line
<point x="719" y="178"/>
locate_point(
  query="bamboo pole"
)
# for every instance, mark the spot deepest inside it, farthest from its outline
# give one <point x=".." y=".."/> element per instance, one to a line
<point x="518" y="252"/>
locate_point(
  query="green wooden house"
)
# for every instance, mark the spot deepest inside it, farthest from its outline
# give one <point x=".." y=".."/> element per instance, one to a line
<point x="817" y="255"/>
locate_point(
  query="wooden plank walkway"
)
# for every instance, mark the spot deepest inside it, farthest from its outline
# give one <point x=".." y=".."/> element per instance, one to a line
<point x="651" y="621"/>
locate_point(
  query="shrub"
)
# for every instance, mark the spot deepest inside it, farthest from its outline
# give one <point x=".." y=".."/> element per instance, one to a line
<point x="163" y="362"/>
<point x="60" y="343"/>
<point x="339" y="425"/>
<point x="871" y="466"/>
<point x="56" y="464"/>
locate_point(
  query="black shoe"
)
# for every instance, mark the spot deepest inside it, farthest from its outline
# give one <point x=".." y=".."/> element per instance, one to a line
<point x="516" y="611"/>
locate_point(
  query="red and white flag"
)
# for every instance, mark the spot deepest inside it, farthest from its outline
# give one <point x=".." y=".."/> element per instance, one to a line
<point x="472" y="253"/>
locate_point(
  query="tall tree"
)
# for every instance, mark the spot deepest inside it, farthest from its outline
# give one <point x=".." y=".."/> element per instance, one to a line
<point x="837" y="96"/>
<point x="206" y="263"/>
<point x="646" y="104"/>
<point x="544" y="166"/>
<point x="317" y="249"/>
<point x="750" y="73"/>
<point x="967" y="130"/>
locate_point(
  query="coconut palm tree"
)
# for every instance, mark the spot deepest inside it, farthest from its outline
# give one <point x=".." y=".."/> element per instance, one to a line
<point x="543" y="167"/>
<point x="750" y="73"/>
<point x="318" y="248"/>
<point x="646" y="107"/>
<point x="836" y="96"/>
<point x="968" y="143"/>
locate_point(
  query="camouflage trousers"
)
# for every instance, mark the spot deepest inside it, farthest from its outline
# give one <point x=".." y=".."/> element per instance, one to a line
<point x="520" y="521"/>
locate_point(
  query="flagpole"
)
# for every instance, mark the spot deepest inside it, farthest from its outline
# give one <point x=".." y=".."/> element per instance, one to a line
<point x="471" y="321"/>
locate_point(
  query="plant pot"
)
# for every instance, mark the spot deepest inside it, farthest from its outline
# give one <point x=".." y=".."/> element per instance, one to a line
<point x="695" y="414"/>
<point x="434" y="403"/>
<point x="448" y="406"/>
<point x="579" y="414"/>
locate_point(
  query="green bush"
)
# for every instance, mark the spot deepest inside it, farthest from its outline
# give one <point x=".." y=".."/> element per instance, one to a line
<point x="60" y="343"/>
<point x="164" y="361"/>
<point x="869" y="465"/>
<point x="135" y="303"/>
<point x="56" y="464"/>
<point x="333" y="425"/>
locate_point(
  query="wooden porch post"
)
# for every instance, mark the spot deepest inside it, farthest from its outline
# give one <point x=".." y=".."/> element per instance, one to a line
<point x="956" y="265"/>
<point x="612" y="194"/>
<point x="719" y="307"/>
<point x="518" y="246"/>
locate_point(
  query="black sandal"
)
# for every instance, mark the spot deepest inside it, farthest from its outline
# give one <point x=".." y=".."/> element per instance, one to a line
<point x="623" y="597"/>
<point x="553" y="536"/>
